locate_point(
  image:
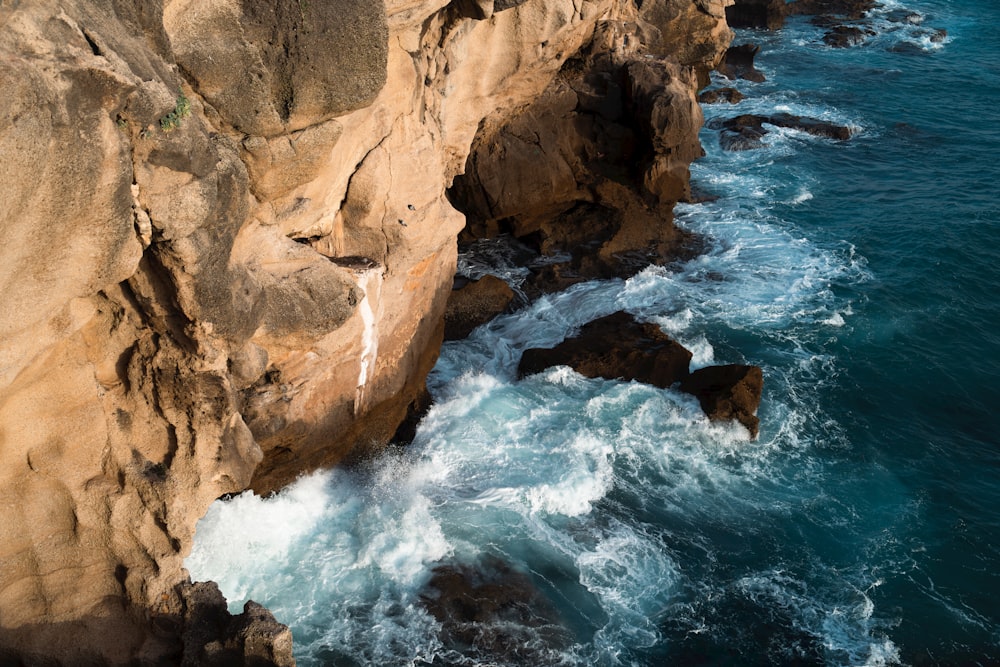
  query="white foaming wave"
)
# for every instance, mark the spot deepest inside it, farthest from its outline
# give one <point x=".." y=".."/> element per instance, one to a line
<point x="802" y="197"/>
<point x="588" y="478"/>
<point x="835" y="320"/>
<point x="771" y="275"/>
<point x="241" y="539"/>
<point x="842" y="619"/>
<point x="633" y="577"/>
<point x="524" y="447"/>
<point x="404" y="540"/>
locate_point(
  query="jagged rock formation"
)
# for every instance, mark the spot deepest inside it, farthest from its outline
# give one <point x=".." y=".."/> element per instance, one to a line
<point x="591" y="170"/>
<point x="617" y="347"/>
<point x="745" y="132"/>
<point x="728" y="392"/>
<point x="227" y="251"/>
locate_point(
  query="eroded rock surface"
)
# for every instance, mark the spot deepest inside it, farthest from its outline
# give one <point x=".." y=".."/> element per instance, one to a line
<point x="227" y="251"/>
<point x="588" y="174"/>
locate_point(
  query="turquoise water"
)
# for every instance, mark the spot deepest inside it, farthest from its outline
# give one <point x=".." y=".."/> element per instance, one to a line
<point x="862" y="527"/>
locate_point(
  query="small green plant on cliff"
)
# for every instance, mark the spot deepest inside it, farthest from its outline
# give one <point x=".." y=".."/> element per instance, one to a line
<point x="172" y="120"/>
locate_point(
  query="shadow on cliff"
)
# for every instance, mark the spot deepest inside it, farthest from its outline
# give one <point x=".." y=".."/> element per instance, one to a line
<point x="200" y="633"/>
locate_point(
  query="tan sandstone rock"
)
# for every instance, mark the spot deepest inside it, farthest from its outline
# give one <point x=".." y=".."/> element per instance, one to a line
<point x="227" y="252"/>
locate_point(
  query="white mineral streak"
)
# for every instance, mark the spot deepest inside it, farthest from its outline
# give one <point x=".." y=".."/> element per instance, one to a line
<point x="370" y="308"/>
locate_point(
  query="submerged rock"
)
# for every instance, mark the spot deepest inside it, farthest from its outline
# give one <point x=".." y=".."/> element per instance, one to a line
<point x="843" y="36"/>
<point x="745" y="132"/>
<point x="474" y="304"/>
<point x="728" y="392"/>
<point x="615" y="347"/>
<point x="494" y="613"/>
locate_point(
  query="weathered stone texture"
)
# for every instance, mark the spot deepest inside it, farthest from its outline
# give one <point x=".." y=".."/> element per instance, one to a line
<point x="182" y="184"/>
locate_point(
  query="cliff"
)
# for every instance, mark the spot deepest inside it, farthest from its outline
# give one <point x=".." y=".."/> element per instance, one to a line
<point x="227" y="253"/>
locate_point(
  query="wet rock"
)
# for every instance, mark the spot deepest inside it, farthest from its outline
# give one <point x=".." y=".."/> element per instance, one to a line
<point x="615" y="347"/>
<point x="717" y="95"/>
<point x="738" y="63"/>
<point x="474" y="304"/>
<point x="746" y="131"/>
<point x="843" y="36"/>
<point x="759" y="14"/>
<point x="619" y="347"/>
<point x="742" y="139"/>
<point x="728" y="392"/>
<point x="494" y="613"/>
<point x="212" y="637"/>
<point x="851" y="9"/>
<point x="904" y="16"/>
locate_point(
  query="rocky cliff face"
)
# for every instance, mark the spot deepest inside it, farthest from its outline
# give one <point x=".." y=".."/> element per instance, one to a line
<point x="226" y="255"/>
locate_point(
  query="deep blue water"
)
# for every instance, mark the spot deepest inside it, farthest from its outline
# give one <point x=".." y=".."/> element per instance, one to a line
<point x="862" y="527"/>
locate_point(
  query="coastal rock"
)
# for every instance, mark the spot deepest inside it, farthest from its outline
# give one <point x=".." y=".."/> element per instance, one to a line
<point x="850" y="9"/>
<point x="746" y="131"/>
<point x="474" y="304"/>
<point x="184" y="184"/>
<point x="718" y="95"/>
<point x="844" y="36"/>
<point x="757" y="14"/>
<point x="588" y="174"/>
<point x="738" y="63"/>
<point x="212" y="637"/>
<point x="728" y="392"/>
<point x="615" y="347"/>
<point x="494" y="613"/>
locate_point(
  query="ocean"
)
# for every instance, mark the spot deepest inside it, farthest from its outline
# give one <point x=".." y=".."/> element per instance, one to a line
<point x="861" y="528"/>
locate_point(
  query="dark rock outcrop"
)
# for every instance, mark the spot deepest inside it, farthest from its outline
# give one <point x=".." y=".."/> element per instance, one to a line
<point x="849" y="9"/>
<point x="615" y="347"/>
<point x="746" y="131"/>
<point x="474" y="304"/>
<point x="738" y="63"/>
<point x="844" y="36"/>
<point x="728" y="392"/>
<point x="717" y="95"/>
<point x="494" y="613"/>
<point x="212" y="637"/>
<point x="759" y="14"/>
